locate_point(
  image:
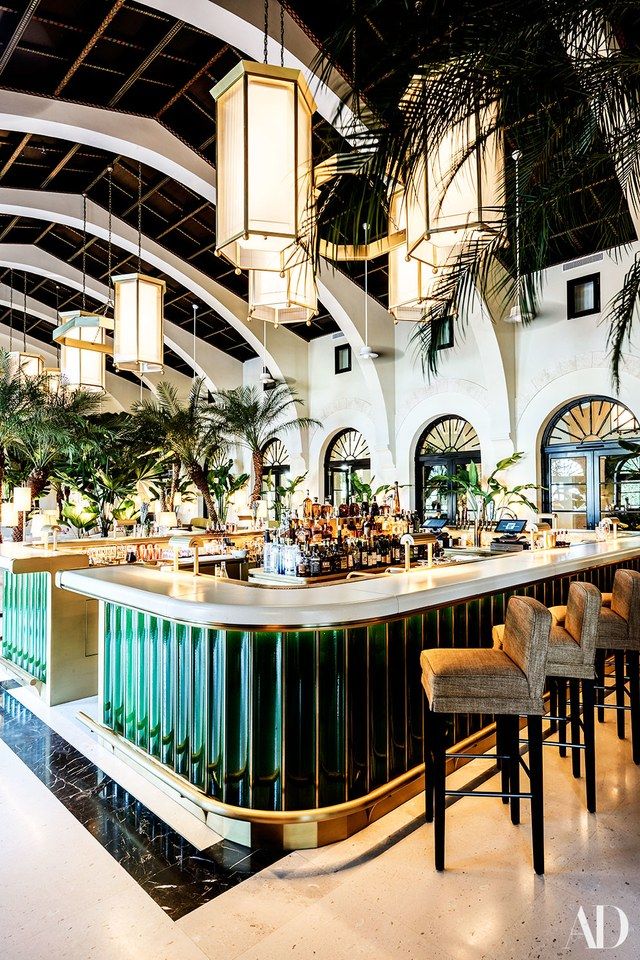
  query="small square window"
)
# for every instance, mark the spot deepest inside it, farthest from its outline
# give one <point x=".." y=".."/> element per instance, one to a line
<point x="343" y="358"/>
<point x="443" y="332"/>
<point x="583" y="296"/>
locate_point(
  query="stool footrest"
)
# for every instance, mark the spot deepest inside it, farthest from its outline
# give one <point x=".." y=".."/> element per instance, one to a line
<point x="486" y="793"/>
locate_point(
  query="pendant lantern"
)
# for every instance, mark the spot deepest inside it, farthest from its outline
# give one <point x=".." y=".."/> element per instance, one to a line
<point x="411" y="281"/>
<point x="455" y="193"/>
<point x="138" y="312"/>
<point x="138" y="336"/>
<point x="287" y="297"/>
<point x="83" y="341"/>
<point x="264" y="166"/>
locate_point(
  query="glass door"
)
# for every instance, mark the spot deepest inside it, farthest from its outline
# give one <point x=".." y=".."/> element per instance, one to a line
<point x="569" y="489"/>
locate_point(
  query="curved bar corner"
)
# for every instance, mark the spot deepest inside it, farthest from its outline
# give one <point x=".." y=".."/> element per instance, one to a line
<point x="291" y="716"/>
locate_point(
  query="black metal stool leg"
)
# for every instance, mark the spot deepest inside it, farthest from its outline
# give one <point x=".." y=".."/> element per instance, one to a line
<point x="439" y="785"/>
<point x="588" y="721"/>
<point x="427" y="728"/>
<point x="619" y="667"/>
<point x="502" y="749"/>
<point x="513" y="726"/>
<point x="574" y="689"/>
<point x="562" y="713"/>
<point x="537" y="792"/>
<point x="633" y="660"/>
<point x="553" y="704"/>
<point x="600" y="669"/>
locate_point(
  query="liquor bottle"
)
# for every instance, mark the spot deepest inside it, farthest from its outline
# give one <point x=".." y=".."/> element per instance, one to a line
<point x="396" y="499"/>
<point x="374" y="509"/>
<point x="303" y="564"/>
<point x="343" y="510"/>
<point x="316" y="509"/>
<point x="307" y="504"/>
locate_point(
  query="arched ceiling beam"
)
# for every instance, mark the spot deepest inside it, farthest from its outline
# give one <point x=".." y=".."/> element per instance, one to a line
<point x="334" y="289"/>
<point x="218" y="370"/>
<point x="139" y="138"/>
<point x="285" y="352"/>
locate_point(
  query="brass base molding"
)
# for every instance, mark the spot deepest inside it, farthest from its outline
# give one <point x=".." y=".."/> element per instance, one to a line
<point x="288" y="829"/>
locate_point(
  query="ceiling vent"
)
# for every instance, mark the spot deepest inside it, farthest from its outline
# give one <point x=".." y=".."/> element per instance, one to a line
<point x="583" y="262"/>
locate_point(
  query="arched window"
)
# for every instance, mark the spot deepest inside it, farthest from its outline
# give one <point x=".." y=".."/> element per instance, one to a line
<point x="587" y="474"/>
<point x="348" y="453"/>
<point x="447" y="445"/>
<point x="276" y="468"/>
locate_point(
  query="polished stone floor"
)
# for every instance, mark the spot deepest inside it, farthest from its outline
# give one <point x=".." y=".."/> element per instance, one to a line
<point x="64" y="894"/>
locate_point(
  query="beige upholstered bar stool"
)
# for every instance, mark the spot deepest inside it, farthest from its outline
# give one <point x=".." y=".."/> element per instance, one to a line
<point x="619" y="633"/>
<point x="508" y="683"/>
<point x="572" y="653"/>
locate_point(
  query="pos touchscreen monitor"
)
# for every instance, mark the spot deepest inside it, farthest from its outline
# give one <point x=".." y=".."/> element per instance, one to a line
<point x="511" y="526"/>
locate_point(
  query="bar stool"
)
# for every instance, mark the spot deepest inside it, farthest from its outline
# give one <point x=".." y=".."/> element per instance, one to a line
<point x="572" y="653"/>
<point x="619" y="632"/>
<point x="508" y="683"/>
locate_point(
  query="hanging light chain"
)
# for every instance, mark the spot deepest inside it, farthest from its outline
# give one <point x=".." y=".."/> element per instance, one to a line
<point x="84" y="251"/>
<point x="109" y="241"/>
<point x="57" y="319"/>
<point x="139" y="217"/>
<point x="354" y="57"/>
<point x="195" y="338"/>
<point x="10" y="310"/>
<point x="366" y="288"/>
<point x="517" y="156"/>
<point x="24" y="311"/>
<point x="281" y="33"/>
<point x="265" y="51"/>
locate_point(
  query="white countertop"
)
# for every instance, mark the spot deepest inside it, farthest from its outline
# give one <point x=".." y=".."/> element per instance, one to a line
<point x="212" y="602"/>
<point x="24" y="558"/>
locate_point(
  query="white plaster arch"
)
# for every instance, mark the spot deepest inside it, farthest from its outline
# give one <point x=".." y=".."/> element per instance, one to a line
<point x="572" y="385"/>
<point x="450" y="403"/>
<point x="347" y="417"/>
<point x="492" y="364"/>
<point x="32" y="259"/>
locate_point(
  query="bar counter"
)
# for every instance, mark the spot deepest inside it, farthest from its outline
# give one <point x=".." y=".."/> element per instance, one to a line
<point x="49" y="637"/>
<point x="294" y="716"/>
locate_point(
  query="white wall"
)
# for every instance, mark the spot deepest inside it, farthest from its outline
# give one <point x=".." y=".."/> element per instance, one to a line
<point x="507" y="382"/>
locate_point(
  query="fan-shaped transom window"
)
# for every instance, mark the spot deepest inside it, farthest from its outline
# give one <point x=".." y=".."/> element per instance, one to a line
<point x="588" y="472"/>
<point x="446" y="446"/>
<point x="348" y="446"/>
<point x="275" y="454"/>
<point x="449" y="435"/>
<point x="347" y="454"/>
<point x="592" y="420"/>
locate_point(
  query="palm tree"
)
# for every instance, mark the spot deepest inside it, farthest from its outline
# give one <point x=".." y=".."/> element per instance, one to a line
<point x="558" y="82"/>
<point x="51" y="436"/>
<point x="19" y="401"/>
<point x="252" y="418"/>
<point x="186" y="431"/>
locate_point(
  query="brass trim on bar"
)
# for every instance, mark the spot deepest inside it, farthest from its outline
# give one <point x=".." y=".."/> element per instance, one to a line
<point x="23" y="676"/>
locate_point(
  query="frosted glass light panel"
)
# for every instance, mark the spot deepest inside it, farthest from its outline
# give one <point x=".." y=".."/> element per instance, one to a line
<point x="83" y="346"/>
<point x="53" y="379"/>
<point x="26" y="364"/>
<point x="451" y="199"/>
<point x="290" y="297"/>
<point x="411" y="281"/>
<point x="138" y="327"/>
<point x="264" y="174"/>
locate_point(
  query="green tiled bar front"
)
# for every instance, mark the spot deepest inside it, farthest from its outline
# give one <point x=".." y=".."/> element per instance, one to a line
<point x="25" y="605"/>
<point x="291" y="719"/>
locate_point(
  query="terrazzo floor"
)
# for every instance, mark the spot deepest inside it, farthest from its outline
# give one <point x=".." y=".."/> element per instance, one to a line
<point x="63" y="893"/>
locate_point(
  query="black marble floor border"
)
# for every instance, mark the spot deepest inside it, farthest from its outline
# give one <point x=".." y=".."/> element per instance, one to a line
<point x="177" y="875"/>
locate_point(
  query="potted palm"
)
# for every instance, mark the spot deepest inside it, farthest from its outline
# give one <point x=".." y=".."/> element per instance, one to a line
<point x="487" y="499"/>
<point x="223" y="484"/>
<point x="253" y="418"/>
<point x="186" y="431"/>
